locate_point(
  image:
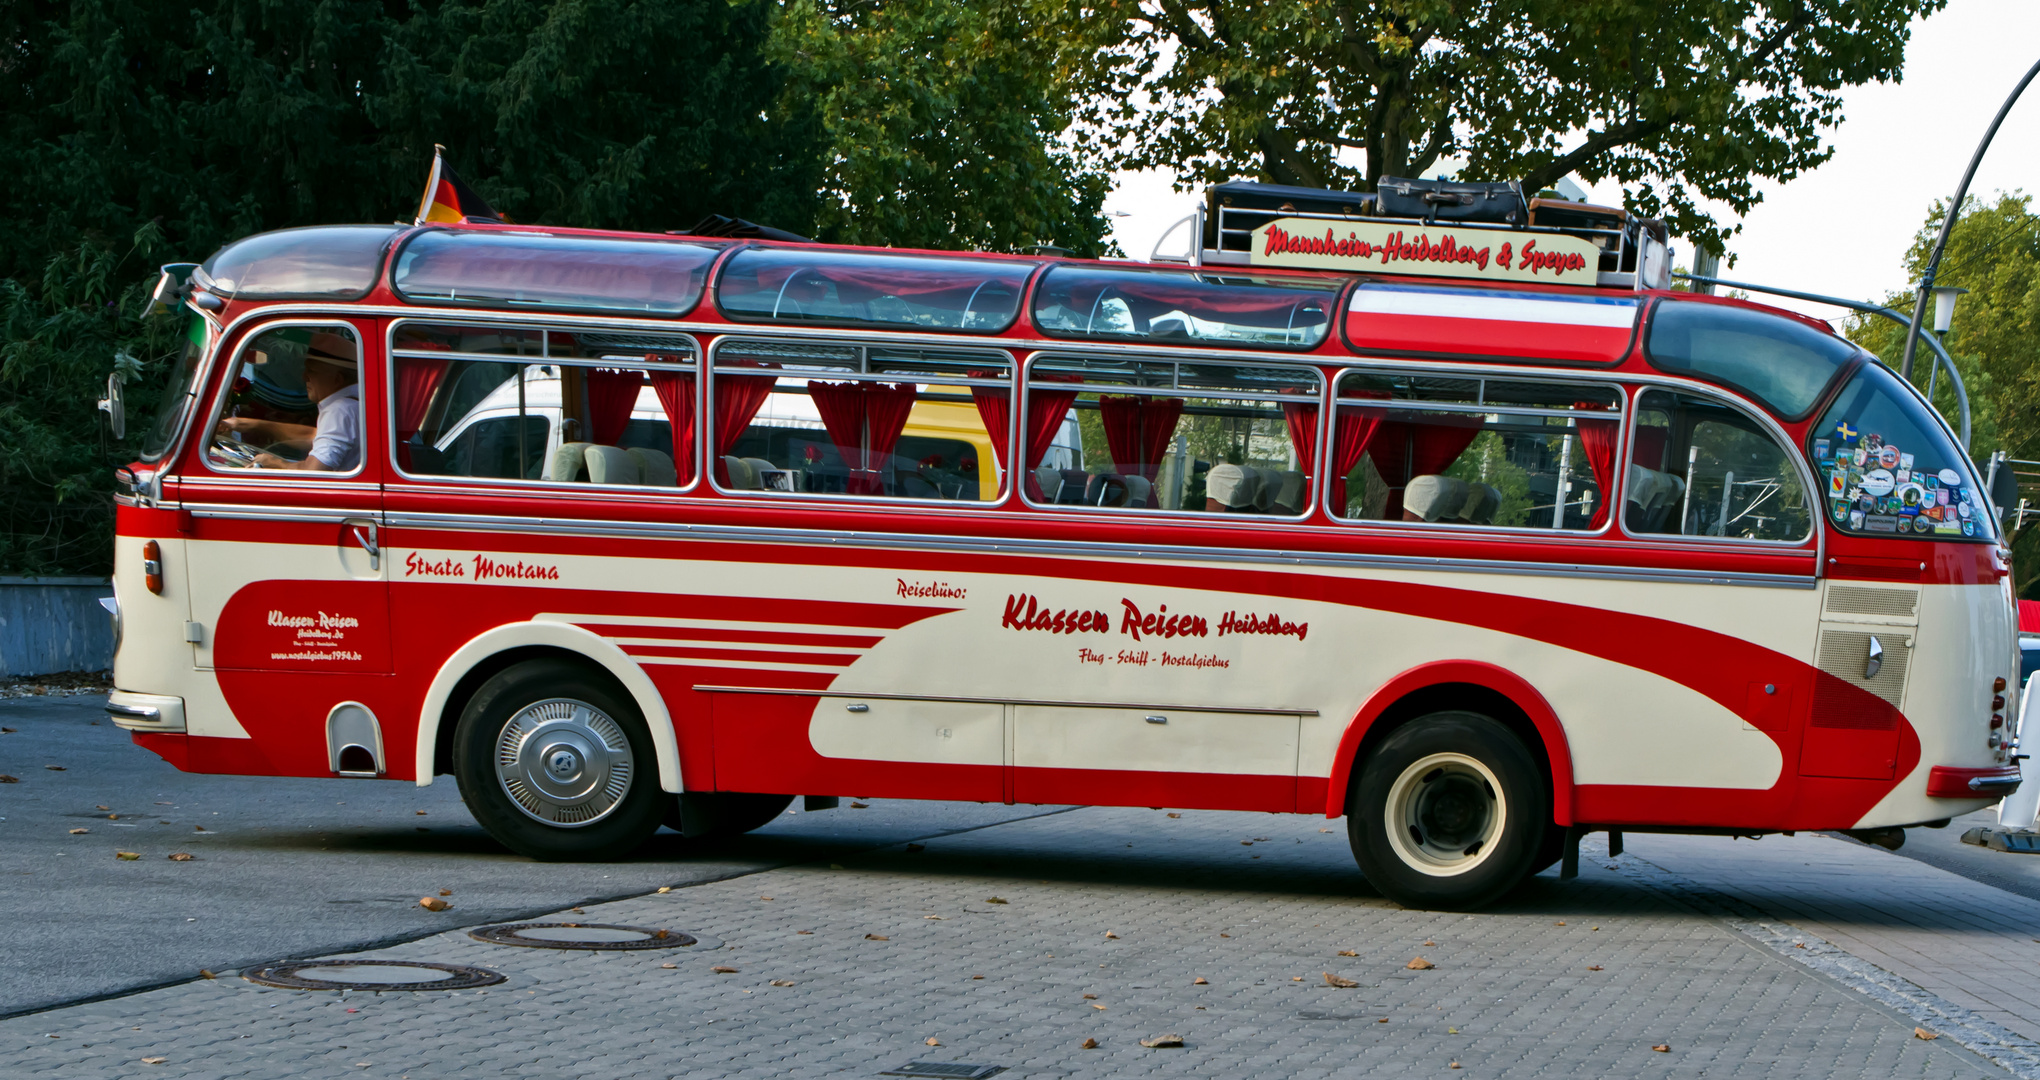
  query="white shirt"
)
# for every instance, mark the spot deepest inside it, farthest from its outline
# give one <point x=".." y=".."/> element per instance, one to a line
<point x="337" y="440"/>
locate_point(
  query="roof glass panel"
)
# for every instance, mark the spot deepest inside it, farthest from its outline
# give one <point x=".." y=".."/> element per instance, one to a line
<point x="1194" y="308"/>
<point x="531" y="271"/>
<point x="325" y="262"/>
<point x="844" y="288"/>
<point x="1780" y="361"/>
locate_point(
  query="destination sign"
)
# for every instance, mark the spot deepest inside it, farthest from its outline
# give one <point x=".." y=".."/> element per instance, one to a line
<point x="1433" y="251"/>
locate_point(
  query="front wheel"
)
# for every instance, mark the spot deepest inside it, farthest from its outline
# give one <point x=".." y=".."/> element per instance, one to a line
<point x="1448" y="813"/>
<point x="556" y="762"/>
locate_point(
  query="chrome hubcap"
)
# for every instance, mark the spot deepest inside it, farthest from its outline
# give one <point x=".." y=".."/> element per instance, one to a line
<point x="1444" y="814"/>
<point x="564" y="762"/>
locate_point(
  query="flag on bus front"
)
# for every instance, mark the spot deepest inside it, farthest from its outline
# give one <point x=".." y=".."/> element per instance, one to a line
<point x="448" y="198"/>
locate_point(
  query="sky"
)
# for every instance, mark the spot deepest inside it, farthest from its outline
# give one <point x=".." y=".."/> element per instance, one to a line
<point x="1843" y="228"/>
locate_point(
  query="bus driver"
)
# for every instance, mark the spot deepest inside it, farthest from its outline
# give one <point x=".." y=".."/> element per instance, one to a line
<point x="332" y="382"/>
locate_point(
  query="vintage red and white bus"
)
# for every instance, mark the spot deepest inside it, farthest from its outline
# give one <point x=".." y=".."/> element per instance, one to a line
<point x="1477" y="536"/>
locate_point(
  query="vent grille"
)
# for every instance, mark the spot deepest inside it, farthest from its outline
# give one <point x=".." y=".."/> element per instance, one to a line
<point x="1845" y="653"/>
<point x="1858" y="600"/>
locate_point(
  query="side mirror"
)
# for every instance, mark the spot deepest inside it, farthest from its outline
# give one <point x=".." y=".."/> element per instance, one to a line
<point x="114" y="407"/>
<point x="2004" y="488"/>
<point x="171" y="286"/>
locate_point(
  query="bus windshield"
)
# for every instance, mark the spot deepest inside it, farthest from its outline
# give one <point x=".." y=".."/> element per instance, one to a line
<point x="177" y="392"/>
<point x="1891" y="467"/>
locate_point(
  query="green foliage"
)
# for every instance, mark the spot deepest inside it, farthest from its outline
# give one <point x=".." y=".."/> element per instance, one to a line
<point x="1994" y="252"/>
<point x="1679" y="100"/>
<point x="942" y="122"/>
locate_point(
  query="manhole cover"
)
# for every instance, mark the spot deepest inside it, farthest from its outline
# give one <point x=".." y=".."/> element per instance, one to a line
<point x="566" y="935"/>
<point x="370" y="975"/>
<point x="950" y="1070"/>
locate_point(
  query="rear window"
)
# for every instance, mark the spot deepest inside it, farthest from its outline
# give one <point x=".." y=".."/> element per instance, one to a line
<point x="1779" y="361"/>
<point x="325" y="262"/>
<point x="800" y="285"/>
<point x="553" y="273"/>
<point x="1201" y="308"/>
<point x="1891" y="467"/>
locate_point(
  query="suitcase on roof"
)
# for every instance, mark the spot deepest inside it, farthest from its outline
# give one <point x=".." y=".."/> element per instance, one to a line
<point x="1499" y="203"/>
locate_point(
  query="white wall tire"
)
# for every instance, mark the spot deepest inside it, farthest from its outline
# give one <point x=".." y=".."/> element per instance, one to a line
<point x="1448" y="812"/>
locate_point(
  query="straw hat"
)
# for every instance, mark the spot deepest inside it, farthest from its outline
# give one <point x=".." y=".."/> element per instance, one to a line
<point x="328" y="347"/>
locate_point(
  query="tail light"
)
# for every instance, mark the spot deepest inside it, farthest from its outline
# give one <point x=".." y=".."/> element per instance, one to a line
<point x="152" y="567"/>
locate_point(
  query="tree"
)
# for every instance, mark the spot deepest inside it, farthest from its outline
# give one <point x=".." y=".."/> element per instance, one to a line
<point x="1679" y="100"/>
<point x="1994" y="252"/>
<point x="943" y="122"/>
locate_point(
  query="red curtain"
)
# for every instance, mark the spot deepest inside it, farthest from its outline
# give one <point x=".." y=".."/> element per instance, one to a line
<point x="1302" y="420"/>
<point x="676" y="394"/>
<point x="737" y="399"/>
<point x="1046" y="410"/>
<point x="995" y="408"/>
<point x="611" y="396"/>
<point x="1137" y="431"/>
<point x="865" y="421"/>
<point x="417" y="378"/>
<point x="1597" y="442"/>
<point x="1422" y="449"/>
<point x="1650" y="447"/>
<point x="1353" y="433"/>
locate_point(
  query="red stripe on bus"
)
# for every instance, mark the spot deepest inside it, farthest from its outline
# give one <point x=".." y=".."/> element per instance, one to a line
<point x="762" y="657"/>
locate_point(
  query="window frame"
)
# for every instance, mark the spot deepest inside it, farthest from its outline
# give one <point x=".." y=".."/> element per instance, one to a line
<point x="748" y="321"/>
<point x="1767" y="422"/>
<point x="1139" y="355"/>
<point x="1567" y="377"/>
<point x="706" y="413"/>
<point x="391" y="354"/>
<point x="226" y="386"/>
<point x="394" y="259"/>
<point x="1336" y="300"/>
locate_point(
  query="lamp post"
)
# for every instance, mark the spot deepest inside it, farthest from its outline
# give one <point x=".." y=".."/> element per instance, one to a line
<point x="1944" y="317"/>
<point x="1912" y="332"/>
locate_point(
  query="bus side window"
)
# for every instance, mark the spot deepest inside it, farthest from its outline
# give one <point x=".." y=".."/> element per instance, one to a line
<point x="293" y="403"/>
<point x="504" y="403"/>
<point x="1698" y="467"/>
<point x="796" y="418"/>
<point x="1162" y="435"/>
<point x="1442" y="450"/>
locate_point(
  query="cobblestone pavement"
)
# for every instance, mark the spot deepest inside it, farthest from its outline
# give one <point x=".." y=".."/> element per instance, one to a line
<point x="1014" y="944"/>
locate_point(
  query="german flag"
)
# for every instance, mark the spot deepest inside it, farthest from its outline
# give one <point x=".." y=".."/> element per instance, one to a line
<point x="448" y="199"/>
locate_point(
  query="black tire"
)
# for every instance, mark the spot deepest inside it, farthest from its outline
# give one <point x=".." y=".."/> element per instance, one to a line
<point x="1470" y="810"/>
<point x="581" y="781"/>
<point x="722" y="814"/>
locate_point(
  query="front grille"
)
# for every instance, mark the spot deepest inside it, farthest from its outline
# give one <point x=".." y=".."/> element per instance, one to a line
<point x="1860" y="600"/>
<point x="1844" y="654"/>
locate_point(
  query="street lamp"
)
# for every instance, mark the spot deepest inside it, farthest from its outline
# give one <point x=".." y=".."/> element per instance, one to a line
<point x="1912" y="332"/>
<point x="1944" y="307"/>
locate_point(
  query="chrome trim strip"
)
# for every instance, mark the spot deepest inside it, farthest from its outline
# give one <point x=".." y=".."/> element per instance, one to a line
<point x="134" y="712"/>
<point x="275" y="513"/>
<point x="1082" y="550"/>
<point x="1242" y="710"/>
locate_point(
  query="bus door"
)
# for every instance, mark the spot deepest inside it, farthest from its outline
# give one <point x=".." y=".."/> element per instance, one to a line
<point x="284" y="561"/>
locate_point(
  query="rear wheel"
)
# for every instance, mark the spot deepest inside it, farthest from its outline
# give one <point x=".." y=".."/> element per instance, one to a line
<point x="1448" y="813"/>
<point x="555" y="761"/>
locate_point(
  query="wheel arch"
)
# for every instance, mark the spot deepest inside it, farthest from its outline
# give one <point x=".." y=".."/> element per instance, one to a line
<point x="493" y="650"/>
<point x="1457" y="684"/>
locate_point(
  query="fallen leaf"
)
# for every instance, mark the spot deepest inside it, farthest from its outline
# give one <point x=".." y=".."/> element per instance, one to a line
<point x="1923" y="1033"/>
<point x="1454" y="1065"/>
<point x="181" y="856"/>
<point x="993" y="900"/>
<point x="720" y="970"/>
<point x="1349" y="952"/>
<point x="1246" y="843"/>
<point x="1324" y="830"/>
<point x="1092" y="1044"/>
<point x="1162" y="1041"/>
<point x="1090" y="997"/>
<point x="54" y="768"/>
<point x="782" y="982"/>
<point x="154" y="1060"/>
<point x="661" y="935"/>
<point x="446" y="892"/>
<point x="670" y="967"/>
<point x="101" y="806"/>
<point x="876" y="937"/>
<point x="1430" y="944"/>
<point x="1452" y="1031"/>
<point x="113" y="817"/>
<point x="577" y="911"/>
<point x="127" y="856"/>
<point x="1799" y="944"/>
<point x="912" y="848"/>
<point x="79" y="832"/>
<point x="665" y="888"/>
<point x="1111" y="935"/>
<point x="1296" y="978"/>
<point x="1593" y="928"/>
<point x="200" y="828"/>
<point x="1593" y="967"/>
<point x="937" y="918"/>
<point x="1663" y="1048"/>
<point x="6" y="779"/>
<point x="1200" y="981"/>
<point x="976" y="977"/>
<point x="930" y="1040"/>
<point x="1100" y="1008"/>
<point x="1225" y="935"/>
<point x="1175" y="815"/>
<point x="1420" y="964"/>
<point x="764" y="898"/>
<point x="860" y="806"/>
<point x="204" y="974"/>
<point x="1339" y="981"/>
<point x="1560" y="922"/>
<point x="804" y="931"/>
<point x="433" y="903"/>
<point x="1383" y="1020"/>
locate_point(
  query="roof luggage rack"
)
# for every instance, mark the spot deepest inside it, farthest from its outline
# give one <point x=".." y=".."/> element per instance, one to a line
<point x="1488" y="231"/>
